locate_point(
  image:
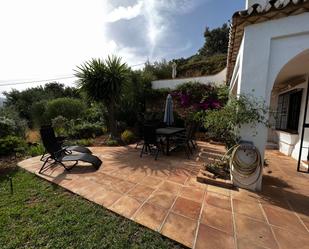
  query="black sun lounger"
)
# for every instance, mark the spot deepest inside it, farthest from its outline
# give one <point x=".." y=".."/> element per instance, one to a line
<point x="49" y="133"/>
<point x="59" y="154"/>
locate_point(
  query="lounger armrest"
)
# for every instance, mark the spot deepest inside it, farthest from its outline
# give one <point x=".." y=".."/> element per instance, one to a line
<point x="61" y="153"/>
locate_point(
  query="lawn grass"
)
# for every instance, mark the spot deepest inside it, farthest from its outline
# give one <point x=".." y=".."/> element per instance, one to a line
<point x="43" y="215"/>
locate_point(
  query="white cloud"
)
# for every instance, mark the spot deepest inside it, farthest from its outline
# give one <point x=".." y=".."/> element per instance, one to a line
<point x="125" y="12"/>
<point x="156" y="14"/>
<point x="45" y="39"/>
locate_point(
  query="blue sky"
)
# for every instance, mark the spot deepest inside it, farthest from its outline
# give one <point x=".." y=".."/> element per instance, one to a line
<point x="178" y="25"/>
<point x="47" y="39"/>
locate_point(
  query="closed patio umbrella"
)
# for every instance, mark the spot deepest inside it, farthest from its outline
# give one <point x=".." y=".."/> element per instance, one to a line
<point x="168" y="114"/>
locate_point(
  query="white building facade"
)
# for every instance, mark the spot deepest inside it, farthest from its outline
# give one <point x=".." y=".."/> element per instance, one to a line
<point x="269" y="58"/>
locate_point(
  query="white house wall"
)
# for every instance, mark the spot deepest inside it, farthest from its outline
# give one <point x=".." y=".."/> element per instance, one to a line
<point x="217" y="79"/>
<point x="267" y="47"/>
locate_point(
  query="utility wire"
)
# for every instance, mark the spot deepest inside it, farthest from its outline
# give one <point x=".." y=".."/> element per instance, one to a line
<point x="35" y="81"/>
<point x="10" y="83"/>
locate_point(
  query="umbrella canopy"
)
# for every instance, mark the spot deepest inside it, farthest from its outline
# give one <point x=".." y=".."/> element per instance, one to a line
<point x="168" y="114"/>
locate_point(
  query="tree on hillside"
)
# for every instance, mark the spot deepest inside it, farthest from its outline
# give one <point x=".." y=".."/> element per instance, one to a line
<point x="159" y="69"/>
<point x="216" y="41"/>
<point x="23" y="101"/>
<point x="102" y="81"/>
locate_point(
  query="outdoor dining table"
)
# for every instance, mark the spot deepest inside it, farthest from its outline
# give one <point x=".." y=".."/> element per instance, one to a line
<point x="168" y="132"/>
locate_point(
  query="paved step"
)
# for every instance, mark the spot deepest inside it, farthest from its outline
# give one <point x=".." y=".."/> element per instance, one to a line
<point x="272" y="146"/>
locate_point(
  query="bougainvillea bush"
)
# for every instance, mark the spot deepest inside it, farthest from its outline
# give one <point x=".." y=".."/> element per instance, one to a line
<point x="192" y="97"/>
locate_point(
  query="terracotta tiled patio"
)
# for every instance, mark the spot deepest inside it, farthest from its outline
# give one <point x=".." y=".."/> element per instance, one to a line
<point x="165" y="196"/>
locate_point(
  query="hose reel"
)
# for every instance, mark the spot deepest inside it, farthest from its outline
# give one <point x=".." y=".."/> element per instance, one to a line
<point x="245" y="164"/>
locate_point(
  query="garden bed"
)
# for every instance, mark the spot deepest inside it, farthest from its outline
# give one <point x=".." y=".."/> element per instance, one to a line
<point x="209" y="178"/>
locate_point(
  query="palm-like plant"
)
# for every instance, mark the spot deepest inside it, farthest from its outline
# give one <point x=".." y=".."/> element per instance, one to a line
<point x="102" y="81"/>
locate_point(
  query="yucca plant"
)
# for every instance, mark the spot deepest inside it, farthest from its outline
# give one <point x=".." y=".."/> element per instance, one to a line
<point x="102" y="81"/>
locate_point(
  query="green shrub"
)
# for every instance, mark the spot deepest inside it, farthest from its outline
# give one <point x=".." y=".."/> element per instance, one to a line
<point x="66" y="107"/>
<point x="61" y="125"/>
<point x="111" y="142"/>
<point x="35" y="150"/>
<point x="7" y="127"/>
<point x="127" y="137"/>
<point x="38" y="113"/>
<point x="11" y="144"/>
<point x="95" y="114"/>
<point x="201" y="65"/>
<point x="10" y="126"/>
<point x="86" y="130"/>
<point x="84" y="142"/>
<point x="224" y="124"/>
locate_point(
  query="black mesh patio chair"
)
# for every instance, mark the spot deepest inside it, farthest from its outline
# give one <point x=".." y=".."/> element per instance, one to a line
<point x="50" y="134"/>
<point x="192" y="137"/>
<point x="152" y="144"/>
<point x="189" y="135"/>
<point x="186" y="140"/>
<point x="140" y="129"/>
<point x="58" y="155"/>
<point x="183" y="142"/>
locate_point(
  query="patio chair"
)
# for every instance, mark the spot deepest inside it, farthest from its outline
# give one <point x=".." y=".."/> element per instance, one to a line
<point x="191" y="136"/>
<point x="188" y="134"/>
<point x="140" y="130"/>
<point x="186" y="140"/>
<point x="151" y="141"/>
<point x="60" y="155"/>
<point x="50" y="134"/>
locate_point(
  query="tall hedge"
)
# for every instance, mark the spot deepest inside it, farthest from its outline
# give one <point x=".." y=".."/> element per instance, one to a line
<point x="69" y="108"/>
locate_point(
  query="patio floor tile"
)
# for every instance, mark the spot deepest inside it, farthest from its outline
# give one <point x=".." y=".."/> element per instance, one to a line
<point x="162" y="199"/>
<point x="218" y="190"/>
<point x="123" y="186"/>
<point x="126" y="206"/>
<point x="150" y="216"/>
<point x="179" y="228"/>
<point x="244" y="243"/>
<point x="283" y="205"/>
<point x="306" y="222"/>
<point x="301" y="205"/>
<point x="140" y="192"/>
<point x="255" y="232"/>
<point x="151" y="181"/>
<point x="218" y="200"/>
<point x="218" y="218"/>
<point x="250" y="209"/>
<point x="107" y="198"/>
<point x="244" y="195"/>
<point x="192" y="182"/>
<point x="186" y="207"/>
<point x="284" y="219"/>
<point x="291" y="240"/>
<point x="210" y="238"/>
<point x="170" y="187"/>
<point x="178" y="178"/>
<point x="136" y="178"/>
<point x="192" y="193"/>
